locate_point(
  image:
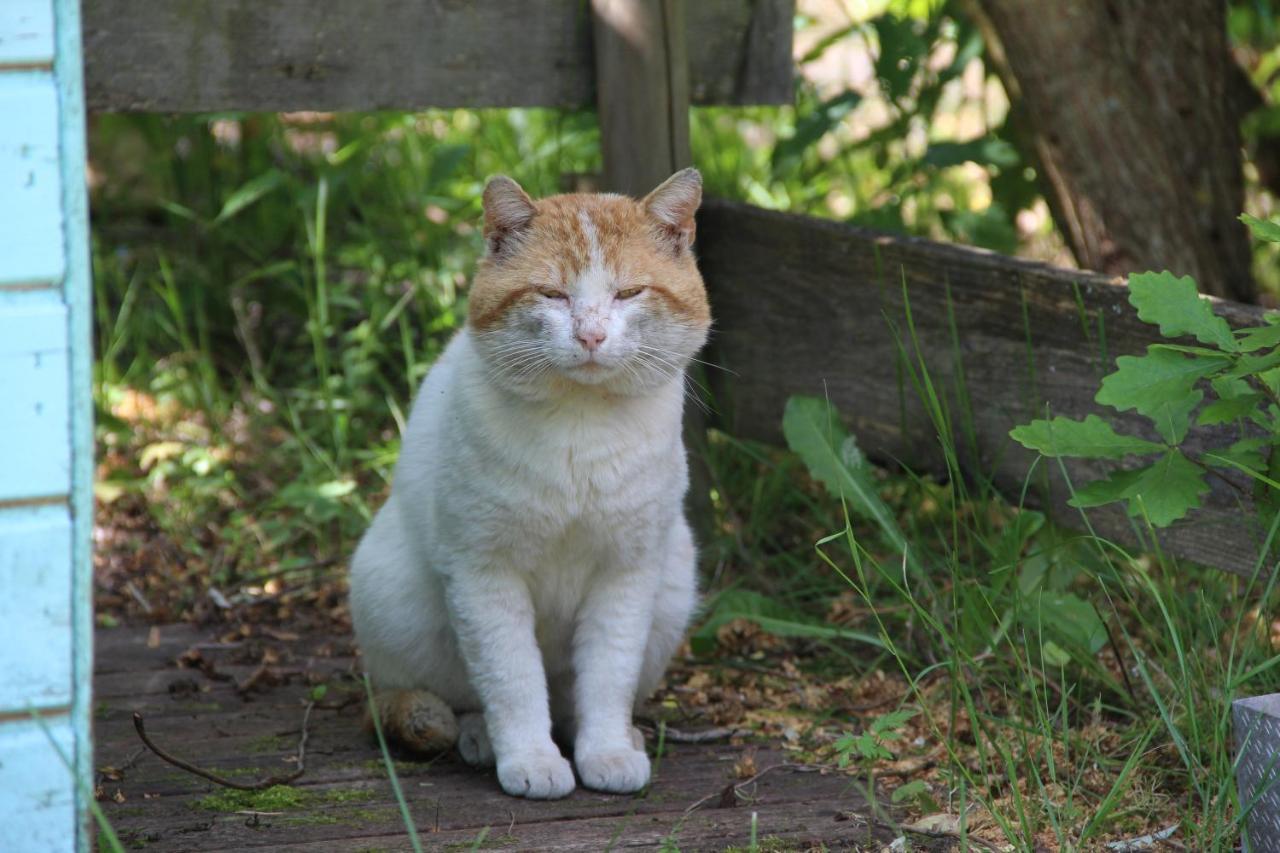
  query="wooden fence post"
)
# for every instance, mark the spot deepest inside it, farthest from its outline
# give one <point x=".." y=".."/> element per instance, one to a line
<point x="642" y="95"/>
<point x="642" y="91"/>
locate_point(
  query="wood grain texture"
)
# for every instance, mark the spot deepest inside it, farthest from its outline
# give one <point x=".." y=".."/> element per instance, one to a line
<point x="805" y="306"/>
<point x="31" y="250"/>
<point x="37" y="791"/>
<point x="35" y="555"/>
<point x="35" y="440"/>
<point x="26" y="32"/>
<point x="348" y="803"/>
<point x="205" y="55"/>
<point x="642" y="92"/>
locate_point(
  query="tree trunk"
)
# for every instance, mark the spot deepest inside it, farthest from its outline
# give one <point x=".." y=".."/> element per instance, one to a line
<point x="1126" y="103"/>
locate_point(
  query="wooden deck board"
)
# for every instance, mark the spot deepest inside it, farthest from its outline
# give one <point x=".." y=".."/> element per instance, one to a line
<point x="346" y="800"/>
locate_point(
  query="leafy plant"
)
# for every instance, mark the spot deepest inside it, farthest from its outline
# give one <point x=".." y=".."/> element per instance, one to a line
<point x="872" y="743"/>
<point x="1237" y="370"/>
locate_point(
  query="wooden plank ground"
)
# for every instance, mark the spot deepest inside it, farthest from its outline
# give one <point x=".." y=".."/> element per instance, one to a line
<point x="346" y="800"/>
<point x="209" y="55"/>
<point x="809" y="306"/>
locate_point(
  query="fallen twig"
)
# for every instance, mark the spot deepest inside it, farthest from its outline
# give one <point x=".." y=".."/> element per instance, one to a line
<point x="734" y="789"/>
<point x="703" y="736"/>
<point x="261" y="785"/>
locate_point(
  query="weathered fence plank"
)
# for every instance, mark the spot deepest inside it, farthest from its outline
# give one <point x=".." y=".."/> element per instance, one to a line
<point x="35" y="378"/>
<point x="642" y="92"/>
<point x="26" y="32"/>
<point x="31" y="217"/>
<point x="39" y="805"/>
<point x="805" y="306"/>
<point x="35" y="548"/>
<point x="207" y="55"/>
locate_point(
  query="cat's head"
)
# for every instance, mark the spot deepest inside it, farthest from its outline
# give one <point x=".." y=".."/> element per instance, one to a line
<point x="589" y="290"/>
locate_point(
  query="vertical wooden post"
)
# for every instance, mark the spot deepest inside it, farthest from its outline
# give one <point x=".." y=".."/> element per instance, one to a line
<point x="642" y="91"/>
<point x="642" y="94"/>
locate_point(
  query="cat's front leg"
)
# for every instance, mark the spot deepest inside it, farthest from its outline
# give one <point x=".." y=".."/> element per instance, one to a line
<point x="609" y="646"/>
<point x="493" y="616"/>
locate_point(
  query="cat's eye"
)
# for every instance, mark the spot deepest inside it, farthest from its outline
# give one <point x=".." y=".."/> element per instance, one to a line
<point x="549" y="293"/>
<point x="629" y="293"/>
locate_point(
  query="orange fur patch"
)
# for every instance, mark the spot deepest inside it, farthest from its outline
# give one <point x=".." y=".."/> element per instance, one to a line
<point x="553" y="251"/>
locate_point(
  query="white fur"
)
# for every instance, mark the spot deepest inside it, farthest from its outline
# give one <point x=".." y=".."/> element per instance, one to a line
<point x="533" y="561"/>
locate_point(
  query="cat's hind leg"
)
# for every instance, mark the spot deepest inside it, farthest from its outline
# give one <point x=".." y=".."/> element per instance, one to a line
<point x="473" y="740"/>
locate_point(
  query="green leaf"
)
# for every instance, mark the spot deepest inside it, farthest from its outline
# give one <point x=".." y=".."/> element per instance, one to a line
<point x="1092" y="438"/>
<point x="1119" y="486"/>
<point x="1268" y="232"/>
<point x="1247" y="452"/>
<point x="811" y="127"/>
<point x="1054" y="654"/>
<point x="248" y="193"/>
<point x="1229" y="387"/>
<point x="987" y="151"/>
<point x="1159" y="385"/>
<point x="1253" y="364"/>
<point x="1168" y="490"/>
<point x="1175" y="305"/>
<point x="1229" y="410"/>
<point x="886" y="726"/>
<point x="1260" y="337"/>
<point x="901" y="50"/>
<point x="1072" y="620"/>
<point x="813" y="431"/>
<point x="917" y="793"/>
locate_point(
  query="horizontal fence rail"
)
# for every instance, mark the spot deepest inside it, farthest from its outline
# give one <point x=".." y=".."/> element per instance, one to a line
<point x="806" y="306"/>
<point x="280" y="55"/>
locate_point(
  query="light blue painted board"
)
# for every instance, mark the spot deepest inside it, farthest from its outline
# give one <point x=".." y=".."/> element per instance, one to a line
<point x="35" y="425"/>
<point x="37" y="790"/>
<point x="31" y="238"/>
<point x="35" y="557"/>
<point x="77" y="290"/>
<point x="26" y="32"/>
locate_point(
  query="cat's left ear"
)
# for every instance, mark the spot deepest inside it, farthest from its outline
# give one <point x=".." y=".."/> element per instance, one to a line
<point x="673" y="206"/>
<point x="508" y="210"/>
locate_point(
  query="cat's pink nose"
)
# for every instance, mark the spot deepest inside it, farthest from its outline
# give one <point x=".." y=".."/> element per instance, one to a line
<point x="591" y="338"/>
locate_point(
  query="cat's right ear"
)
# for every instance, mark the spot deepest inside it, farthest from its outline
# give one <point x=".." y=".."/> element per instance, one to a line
<point x="508" y="210"/>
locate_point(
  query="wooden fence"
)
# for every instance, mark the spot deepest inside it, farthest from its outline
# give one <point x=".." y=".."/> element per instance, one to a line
<point x="805" y="306"/>
<point x="274" y="55"/>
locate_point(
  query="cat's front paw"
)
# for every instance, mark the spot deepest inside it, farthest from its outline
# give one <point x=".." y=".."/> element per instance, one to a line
<point x="538" y="775"/>
<point x="618" y="771"/>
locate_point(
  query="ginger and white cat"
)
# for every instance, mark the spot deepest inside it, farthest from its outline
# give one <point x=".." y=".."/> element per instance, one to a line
<point x="533" y="566"/>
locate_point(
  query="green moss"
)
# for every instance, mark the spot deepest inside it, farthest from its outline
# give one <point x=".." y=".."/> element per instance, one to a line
<point x="349" y="795"/>
<point x="277" y="798"/>
<point x="402" y="767"/>
<point x="283" y="798"/>
<point x="310" y="819"/>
